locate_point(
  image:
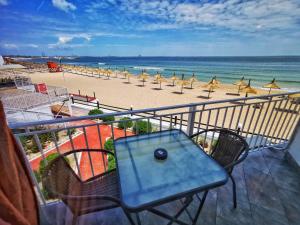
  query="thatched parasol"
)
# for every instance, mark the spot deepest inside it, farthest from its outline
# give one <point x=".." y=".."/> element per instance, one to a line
<point x="192" y="80"/>
<point x="240" y="83"/>
<point x="174" y="78"/>
<point x="271" y="85"/>
<point x="157" y="76"/>
<point x="182" y="83"/>
<point x="143" y="76"/>
<point x="128" y="75"/>
<point x="248" y="89"/>
<point x="211" y="85"/>
<point x="161" y="80"/>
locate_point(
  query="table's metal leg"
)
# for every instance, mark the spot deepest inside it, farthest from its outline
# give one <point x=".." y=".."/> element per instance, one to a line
<point x="129" y="217"/>
<point x="187" y="202"/>
<point x="138" y="219"/>
<point x="200" y="207"/>
<point x="187" y="212"/>
<point x="166" y="216"/>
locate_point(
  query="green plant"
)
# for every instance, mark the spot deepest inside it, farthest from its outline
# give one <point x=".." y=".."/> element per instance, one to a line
<point x="111" y="162"/>
<point x="95" y="112"/>
<point x="71" y="131"/>
<point x="45" y="161"/>
<point x="109" y="145"/>
<point x="125" y="123"/>
<point x="108" y="118"/>
<point x="37" y="175"/>
<point x="142" y="127"/>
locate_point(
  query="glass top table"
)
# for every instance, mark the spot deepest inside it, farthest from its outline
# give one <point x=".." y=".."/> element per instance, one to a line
<point x="147" y="182"/>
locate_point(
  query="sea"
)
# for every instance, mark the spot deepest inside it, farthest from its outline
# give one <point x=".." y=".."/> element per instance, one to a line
<point x="261" y="70"/>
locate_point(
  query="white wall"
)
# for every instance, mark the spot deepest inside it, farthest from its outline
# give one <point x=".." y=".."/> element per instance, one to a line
<point x="294" y="146"/>
<point x="35" y="114"/>
<point x="1" y="61"/>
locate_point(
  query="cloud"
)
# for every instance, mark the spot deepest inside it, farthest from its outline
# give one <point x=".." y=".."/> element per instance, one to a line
<point x="160" y="26"/>
<point x="64" y="39"/>
<point x="67" y="47"/>
<point x="32" y="45"/>
<point x="17" y="46"/>
<point x="9" y="46"/>
<point x="246" y="16"/>
<point x="3" y="2"/>
<point x="63" y="5"/>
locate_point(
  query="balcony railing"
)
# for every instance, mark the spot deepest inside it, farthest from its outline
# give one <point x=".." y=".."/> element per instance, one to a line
<point x="265" y="121"/>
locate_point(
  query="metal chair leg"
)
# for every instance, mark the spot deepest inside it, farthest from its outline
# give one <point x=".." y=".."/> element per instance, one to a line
<point x="234" y="191"/>
<point x="128" y="217"/>
<point x="200" y="207"/>
<point x="74" y="219"/>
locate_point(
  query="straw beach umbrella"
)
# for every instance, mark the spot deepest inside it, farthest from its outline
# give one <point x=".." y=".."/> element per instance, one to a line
<point x="271" y="85"/>
<point x="174" y="78"/>
<point x="161" y="80"/>
<point x="240" y="83"/>
<point x="157" y="76"/>
<point x="248" y="89"/>
<point x="108" y="73"/>
<point x="128" y="75"/>
<point x="192" y="80"/>
<point x="143" y="76"/>
<point x="182" y="83"/>
<point x="125" y="72"/>
<point x="211" y="85"/>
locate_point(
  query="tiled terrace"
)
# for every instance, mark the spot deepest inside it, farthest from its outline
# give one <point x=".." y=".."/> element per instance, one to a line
<point x="268" y="192"/>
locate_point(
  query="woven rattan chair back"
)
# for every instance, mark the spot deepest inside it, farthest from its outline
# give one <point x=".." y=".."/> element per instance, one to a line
<point x="228" y="148"/>
<point x="59" y="177"/>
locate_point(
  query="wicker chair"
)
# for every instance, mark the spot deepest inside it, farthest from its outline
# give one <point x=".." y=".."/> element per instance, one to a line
<point x="98" y="193"/>
<point x="229" y="150"/>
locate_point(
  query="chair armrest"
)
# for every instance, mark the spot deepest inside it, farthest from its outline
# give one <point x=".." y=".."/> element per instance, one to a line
<point x="88" y="197"/>
<point x="88" y="150"/>
<point x="210" y="130"/>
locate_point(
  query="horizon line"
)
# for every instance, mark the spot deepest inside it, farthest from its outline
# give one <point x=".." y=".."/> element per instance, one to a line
<point x="136" y="56"/>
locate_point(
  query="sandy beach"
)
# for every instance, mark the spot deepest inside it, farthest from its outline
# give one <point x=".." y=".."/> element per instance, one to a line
<point x="116" y="91"/>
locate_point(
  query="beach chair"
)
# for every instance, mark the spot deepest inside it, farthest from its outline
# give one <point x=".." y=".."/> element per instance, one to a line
<point x="229" y="150"/>
<point x="98" y="193"/>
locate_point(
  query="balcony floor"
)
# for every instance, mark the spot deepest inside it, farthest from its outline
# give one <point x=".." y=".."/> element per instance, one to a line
<point x="268" y="192"/>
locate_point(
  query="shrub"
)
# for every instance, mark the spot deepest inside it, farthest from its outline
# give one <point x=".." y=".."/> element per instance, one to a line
<point x="125" y="124"/>
<point x="47" y="160"/>
<point x="71" y="131"/>
<point x="111" y="162"/>
<point x="37" y="175"/>
<point x="108" y="118"/>
<point x="142" y="127"/>
<point x="109" y="145"/>
<point x="95" y="112"/>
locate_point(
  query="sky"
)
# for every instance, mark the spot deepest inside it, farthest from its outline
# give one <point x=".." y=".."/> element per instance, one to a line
<point x="150" y="27"/>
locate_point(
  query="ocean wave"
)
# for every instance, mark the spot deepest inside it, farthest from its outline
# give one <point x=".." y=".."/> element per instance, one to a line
<point x="101" y="63"/>
<point x="147" y="68"/>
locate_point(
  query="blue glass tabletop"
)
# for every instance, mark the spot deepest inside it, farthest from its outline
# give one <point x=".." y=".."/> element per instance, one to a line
<point x="145" y="180"/>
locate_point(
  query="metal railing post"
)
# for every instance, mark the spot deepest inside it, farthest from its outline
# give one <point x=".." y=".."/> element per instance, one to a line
<point x="191" y="120"/>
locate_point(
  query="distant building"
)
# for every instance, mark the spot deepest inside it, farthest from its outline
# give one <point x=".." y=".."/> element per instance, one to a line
<point x="25" y="101"/>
